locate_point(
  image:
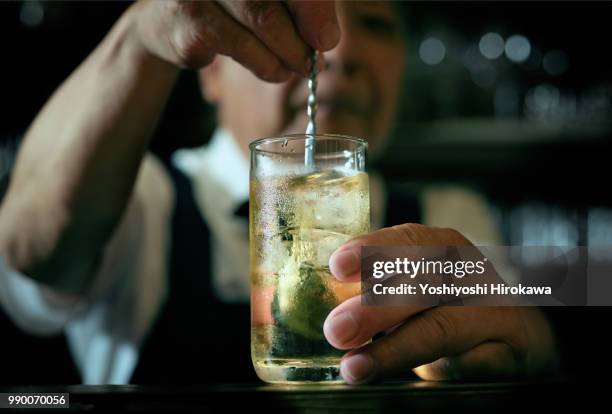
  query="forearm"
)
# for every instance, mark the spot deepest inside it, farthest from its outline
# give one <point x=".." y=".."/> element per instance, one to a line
<point x="77" y="165"/>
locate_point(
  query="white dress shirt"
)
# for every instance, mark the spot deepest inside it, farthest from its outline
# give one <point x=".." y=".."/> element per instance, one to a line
<point x="106" y="328"/>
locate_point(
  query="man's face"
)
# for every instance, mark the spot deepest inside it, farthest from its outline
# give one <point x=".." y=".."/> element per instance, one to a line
<point x="357" y="92"/>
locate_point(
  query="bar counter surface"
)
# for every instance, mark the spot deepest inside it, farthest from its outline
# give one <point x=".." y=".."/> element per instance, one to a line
<point x="413" y="396"/>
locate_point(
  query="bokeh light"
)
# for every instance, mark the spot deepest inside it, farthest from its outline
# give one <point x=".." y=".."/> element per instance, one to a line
<point x="517" y="48"/>
<point x="432" y="51"/>
<point x="491" y="46"/>
<point x="32" y="13"/>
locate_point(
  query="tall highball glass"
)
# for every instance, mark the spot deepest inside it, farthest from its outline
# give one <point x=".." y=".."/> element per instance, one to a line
<point x="299" y="214"/>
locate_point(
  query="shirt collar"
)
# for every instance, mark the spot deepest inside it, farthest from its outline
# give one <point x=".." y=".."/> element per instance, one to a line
<point x="223" y="162"/>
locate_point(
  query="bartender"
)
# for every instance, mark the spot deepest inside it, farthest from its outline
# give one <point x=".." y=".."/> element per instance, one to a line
<point x="101" y="241"/>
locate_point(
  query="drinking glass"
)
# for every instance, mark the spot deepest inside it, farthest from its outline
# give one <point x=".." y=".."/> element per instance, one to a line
<point x="299" y="214"/>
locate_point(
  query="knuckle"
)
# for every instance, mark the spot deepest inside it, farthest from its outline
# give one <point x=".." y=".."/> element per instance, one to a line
<point x="191" y="48"/>
<point x="440" y="327"/>
<point x="261" y="14"/>
<point x="410" y="232"/>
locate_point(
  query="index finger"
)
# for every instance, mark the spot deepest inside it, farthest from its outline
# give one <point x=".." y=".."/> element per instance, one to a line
<point x="317" y="22"/>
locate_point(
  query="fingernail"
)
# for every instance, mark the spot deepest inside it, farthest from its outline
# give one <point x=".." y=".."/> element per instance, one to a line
<point x="329" y="36"/>
<point x="344" y="263"/>
<point x="341" y="328"/>
<point x="357" y="368"/>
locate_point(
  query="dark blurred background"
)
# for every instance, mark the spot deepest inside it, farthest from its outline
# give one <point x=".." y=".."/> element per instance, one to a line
<point x="512" y="99"/>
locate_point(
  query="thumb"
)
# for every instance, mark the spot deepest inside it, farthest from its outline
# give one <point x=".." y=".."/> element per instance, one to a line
<point x="345" y="262"/>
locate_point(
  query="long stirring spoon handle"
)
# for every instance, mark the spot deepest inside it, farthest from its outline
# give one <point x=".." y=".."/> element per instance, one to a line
<point x="311" y="129"/>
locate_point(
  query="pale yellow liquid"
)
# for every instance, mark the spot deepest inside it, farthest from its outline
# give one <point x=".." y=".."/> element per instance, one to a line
<point x="296" y="223"/>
